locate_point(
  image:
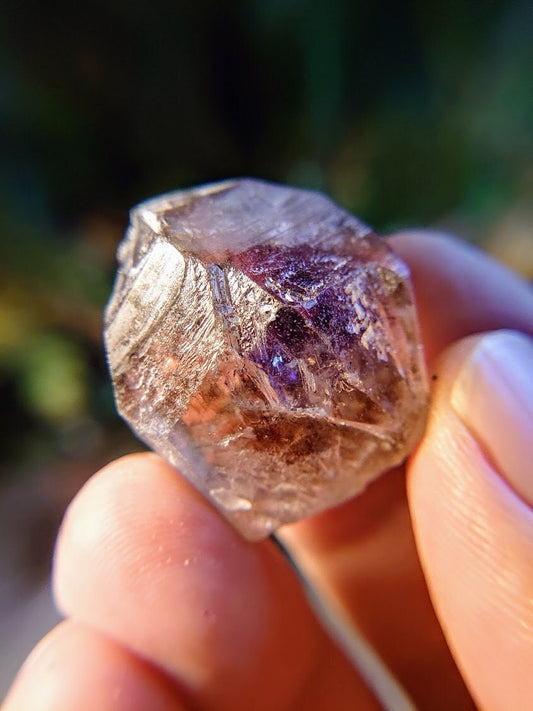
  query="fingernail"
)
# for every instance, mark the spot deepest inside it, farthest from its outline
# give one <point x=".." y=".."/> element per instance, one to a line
<point x="493" y="396"/>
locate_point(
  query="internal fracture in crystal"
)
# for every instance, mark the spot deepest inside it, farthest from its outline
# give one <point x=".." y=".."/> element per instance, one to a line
<point x="265" y="342"/>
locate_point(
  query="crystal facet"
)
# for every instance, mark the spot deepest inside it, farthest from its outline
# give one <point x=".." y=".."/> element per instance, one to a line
<point x="265" y="342"/>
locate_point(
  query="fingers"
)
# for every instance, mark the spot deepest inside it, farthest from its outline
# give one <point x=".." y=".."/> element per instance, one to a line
<point x="75" y="667"/>
<point x="144" y="558"/>
<point x="470" y="488"/>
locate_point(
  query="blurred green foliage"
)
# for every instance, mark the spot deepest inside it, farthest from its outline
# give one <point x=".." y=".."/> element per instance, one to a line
<point x="407" y="113"/>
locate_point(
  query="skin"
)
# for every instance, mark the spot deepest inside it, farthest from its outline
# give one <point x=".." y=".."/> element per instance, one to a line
<point x="168" y="608"/>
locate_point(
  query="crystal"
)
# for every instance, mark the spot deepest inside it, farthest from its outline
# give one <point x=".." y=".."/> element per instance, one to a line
<point x="265" y="342"/>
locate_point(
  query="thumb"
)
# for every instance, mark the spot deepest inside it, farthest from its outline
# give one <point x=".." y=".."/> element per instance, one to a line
<point x="471" y="496"/>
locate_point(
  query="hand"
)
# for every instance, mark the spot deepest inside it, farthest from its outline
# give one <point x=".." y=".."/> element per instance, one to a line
<point x="168" y="608"/>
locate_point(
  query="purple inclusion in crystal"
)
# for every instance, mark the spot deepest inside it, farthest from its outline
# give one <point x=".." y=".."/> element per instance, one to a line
<point x="286" y="339"/>
<point x="317" y="323"/>
<point x="309" y="280"/>
<point x="265" y="342"/>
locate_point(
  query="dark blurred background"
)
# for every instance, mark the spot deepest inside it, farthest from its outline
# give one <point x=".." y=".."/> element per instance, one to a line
<point x="408" y="113"/>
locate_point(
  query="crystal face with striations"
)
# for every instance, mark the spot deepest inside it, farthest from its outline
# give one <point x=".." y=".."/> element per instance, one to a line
<point x="265" y="342"/>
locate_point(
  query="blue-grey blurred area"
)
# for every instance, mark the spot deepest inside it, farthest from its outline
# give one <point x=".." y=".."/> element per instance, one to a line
<point x="408" y="113"/>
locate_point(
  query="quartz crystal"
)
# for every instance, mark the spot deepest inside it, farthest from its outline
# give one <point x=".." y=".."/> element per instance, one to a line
<point x="265" y="342"/>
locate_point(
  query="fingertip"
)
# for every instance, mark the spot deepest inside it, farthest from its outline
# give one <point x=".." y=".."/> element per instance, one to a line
<point x="493" y="395"/>
<point x="474" y="533"/>
<point x="112" y="501"/>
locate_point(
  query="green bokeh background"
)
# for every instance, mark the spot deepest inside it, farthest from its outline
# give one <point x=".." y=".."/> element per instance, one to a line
<point x="408" y="113"/>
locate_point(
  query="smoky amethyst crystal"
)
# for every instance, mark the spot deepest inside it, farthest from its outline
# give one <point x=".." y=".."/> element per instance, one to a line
<point x="265" y="342"/>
